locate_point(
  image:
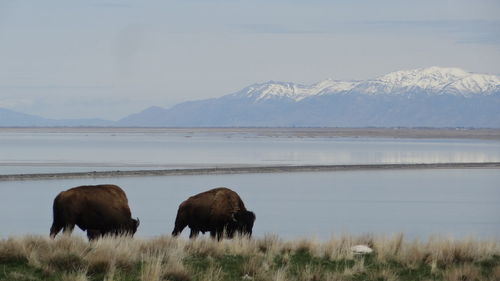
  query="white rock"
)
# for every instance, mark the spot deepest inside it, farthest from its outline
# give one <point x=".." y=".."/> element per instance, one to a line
<point x="247" y="277"/>
<point x="361" y="249"/>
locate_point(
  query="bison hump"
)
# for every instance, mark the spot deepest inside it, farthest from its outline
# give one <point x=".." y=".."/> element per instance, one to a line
<point x="226" y="202"/>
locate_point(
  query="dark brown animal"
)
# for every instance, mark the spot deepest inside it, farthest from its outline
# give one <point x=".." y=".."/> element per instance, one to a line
<point x="97" y="209"/>
<point x="217" y="211"/>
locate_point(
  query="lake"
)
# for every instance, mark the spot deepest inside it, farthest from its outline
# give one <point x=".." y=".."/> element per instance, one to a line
<point x="419" y="203"/>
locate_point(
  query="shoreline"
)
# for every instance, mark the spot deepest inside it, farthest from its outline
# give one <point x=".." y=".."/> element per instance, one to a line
<point x="244" y="170"/>
<point x="492" y="134"/>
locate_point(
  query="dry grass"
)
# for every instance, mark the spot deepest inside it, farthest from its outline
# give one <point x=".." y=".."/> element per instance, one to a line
<point x="74" y="276"/>
<point x="266" y="258"/>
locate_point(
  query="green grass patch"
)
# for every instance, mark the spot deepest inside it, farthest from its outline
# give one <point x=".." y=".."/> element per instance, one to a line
<point x="21" y="271"/>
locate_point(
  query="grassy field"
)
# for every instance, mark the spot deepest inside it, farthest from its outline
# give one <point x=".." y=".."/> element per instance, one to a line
<point x="71" y="258"/>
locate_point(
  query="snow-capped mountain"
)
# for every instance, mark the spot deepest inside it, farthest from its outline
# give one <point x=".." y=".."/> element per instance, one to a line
<point x="429" y="97"/>
<point x="292" y="91"/>
<point x="426" y="97"/>
<point x="432" y="80"/>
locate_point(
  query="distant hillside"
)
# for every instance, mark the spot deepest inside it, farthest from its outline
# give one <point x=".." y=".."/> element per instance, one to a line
<point x="12" y="118"/>
<point x="9" y="118"/>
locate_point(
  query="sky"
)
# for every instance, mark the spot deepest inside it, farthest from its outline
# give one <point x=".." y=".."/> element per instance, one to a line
<point x="108" y="59"/>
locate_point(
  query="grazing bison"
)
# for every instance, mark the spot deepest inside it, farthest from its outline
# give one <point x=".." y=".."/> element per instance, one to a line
<point x="216" y="211"/>
<point x="97" y="209"/>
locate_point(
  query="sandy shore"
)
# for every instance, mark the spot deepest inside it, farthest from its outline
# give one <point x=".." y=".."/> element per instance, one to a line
<point x="412" y="133"/>
<point x="244" y="170"/>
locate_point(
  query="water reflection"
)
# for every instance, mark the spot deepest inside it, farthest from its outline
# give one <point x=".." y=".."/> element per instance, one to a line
<point x="64" y="152"/>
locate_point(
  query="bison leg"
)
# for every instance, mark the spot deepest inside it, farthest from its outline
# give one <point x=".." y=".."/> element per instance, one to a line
<point x="93" y="234"/>
<point x="68" y="229"/>
<point x="194" y="233"/>
<point x="230" y="233"/>
<point x="219" y="233"/>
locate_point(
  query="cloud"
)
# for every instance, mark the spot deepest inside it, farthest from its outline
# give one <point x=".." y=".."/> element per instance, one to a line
<point x="462" y="31"/>
<point x="111" y="5"/>
<point x="268" y="28"/>
<point x="52" y="87"/>
<point x="15" y="102"/>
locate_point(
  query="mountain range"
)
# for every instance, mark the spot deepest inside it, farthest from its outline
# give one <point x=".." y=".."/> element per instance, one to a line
<point x="425" y="97"/>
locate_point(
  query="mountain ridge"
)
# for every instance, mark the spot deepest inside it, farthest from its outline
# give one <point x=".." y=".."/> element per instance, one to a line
<point x="424" y="97"/>
<point x="432" y="79"/>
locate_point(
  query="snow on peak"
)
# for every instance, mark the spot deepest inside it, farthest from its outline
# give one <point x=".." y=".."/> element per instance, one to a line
<point x="335" y="86"/>
<point x="294" y="91"/>
<point x="424" y="77"/>
<point x="435" y="80"/>
<point x="475" y="84"/>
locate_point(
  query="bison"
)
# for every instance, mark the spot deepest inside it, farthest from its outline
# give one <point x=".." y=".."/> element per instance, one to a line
<point x="97" y="209"/>
<point x="217" y="210"/>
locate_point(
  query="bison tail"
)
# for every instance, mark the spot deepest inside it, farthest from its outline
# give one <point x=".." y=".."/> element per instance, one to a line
<point x="180" y="223"/>
<point x="54" y="229"/>
<point x="57" y="225"/>
<point x="57" y="217"/>
<point x="177" y="230"/>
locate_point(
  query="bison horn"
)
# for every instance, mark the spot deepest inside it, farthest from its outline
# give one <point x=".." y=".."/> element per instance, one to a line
<point x="233" y="218"/>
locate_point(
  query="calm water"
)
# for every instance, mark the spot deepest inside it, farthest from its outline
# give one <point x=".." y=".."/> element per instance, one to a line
<point x="418" y="203"/>
<point x="59" y="151"/>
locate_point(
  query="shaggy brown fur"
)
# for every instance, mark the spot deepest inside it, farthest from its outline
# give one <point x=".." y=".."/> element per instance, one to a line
<point x="217" y="210"/>
<point x="97" y="209"/>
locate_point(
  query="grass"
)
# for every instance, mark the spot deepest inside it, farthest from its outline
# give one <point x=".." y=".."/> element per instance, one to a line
<point x="72" y="258"/>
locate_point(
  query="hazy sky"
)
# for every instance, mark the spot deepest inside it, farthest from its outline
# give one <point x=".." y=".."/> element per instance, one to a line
<point x="107" y="59"/>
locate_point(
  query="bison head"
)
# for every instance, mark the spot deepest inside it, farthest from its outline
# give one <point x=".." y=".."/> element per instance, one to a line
<point x="244" y="221"/>
<point x="134" y="224"/>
